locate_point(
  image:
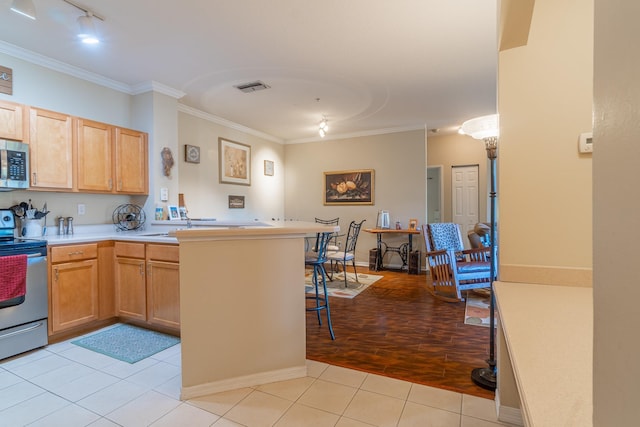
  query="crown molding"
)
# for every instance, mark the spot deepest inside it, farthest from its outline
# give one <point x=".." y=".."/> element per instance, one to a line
<point x="227" y="123"/>
<point x="156" y="87"/>
<point x="61" y="67"/>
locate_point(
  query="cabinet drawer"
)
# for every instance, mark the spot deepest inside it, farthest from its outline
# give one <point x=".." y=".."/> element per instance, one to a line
<point x="129" y="250"/>
<point x="169" y="253"/>
<point x="73" y="252"/>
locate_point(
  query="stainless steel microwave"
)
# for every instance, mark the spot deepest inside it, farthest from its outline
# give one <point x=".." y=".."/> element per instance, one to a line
<point x="14" y="165"/>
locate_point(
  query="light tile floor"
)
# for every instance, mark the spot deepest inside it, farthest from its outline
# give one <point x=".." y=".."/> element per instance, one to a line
<point x="66" y="385"/>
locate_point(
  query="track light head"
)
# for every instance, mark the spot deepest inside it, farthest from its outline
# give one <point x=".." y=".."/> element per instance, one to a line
<point x="24" y="8"/>
<point x="87" y="29"/>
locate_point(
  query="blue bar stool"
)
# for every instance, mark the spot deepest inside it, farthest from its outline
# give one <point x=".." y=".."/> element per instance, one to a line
<point x="317" y="260"/>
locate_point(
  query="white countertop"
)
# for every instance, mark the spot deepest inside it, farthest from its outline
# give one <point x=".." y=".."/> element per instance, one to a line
<point x="549" y="335"/>
<point x="168" y="231"/>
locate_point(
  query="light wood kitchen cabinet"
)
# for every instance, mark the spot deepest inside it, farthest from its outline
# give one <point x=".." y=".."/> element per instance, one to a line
<point x="73" y="292"/>
<point x="163" y="286"/>
<point x="13" y="123"/>
<point x="94" y="160"/>
<point x="131" y="162"/>
<point x="106" y="280"/>
<point x="51" y="148"/>
<point x="131" y="298"/>
<point x="111" y="159"/>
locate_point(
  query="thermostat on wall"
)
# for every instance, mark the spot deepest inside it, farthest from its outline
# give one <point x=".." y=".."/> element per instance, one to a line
<point x="586" y="143"/>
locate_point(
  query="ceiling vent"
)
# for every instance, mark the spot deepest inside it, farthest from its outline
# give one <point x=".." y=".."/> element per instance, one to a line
<point x="252" y="86"/>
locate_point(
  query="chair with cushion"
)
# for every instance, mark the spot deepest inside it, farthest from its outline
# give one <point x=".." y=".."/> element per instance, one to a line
<point x="316" y="260"/>
<point x="348" y="253"/>
<point x="452" y="268"/>
<point x="333" y="244"/>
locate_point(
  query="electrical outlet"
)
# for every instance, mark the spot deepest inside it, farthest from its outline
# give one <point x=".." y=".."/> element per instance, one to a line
<point x="164" y="194"/>
<point x="81" y="209"/>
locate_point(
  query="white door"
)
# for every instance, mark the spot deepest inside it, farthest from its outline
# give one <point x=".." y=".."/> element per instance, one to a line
<point x="464" y="198"/>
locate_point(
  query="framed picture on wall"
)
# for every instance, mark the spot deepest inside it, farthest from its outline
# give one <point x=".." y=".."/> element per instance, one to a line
<point x="268" y="167"/>
<point x="236" y="202"/>
<point x="235" y="162"/>
<point x="351" y="187"/>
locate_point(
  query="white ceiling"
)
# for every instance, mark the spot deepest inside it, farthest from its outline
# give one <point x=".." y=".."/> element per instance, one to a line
<point x="369" y="66"/>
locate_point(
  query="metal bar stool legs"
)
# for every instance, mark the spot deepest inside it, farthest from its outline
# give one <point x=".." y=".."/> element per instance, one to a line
<point x="322" y="301"/>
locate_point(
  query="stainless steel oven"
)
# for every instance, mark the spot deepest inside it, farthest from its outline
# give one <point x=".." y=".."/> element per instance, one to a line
<point x="23" y="320"/>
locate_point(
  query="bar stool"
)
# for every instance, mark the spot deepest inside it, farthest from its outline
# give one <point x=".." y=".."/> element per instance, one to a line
<point x="317" y="260"/>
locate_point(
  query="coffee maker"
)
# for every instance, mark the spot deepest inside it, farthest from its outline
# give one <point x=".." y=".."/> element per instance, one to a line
<point x="383" y="220"/>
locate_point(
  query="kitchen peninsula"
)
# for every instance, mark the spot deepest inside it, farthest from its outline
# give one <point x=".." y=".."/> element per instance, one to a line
<point x="242" y="305"/>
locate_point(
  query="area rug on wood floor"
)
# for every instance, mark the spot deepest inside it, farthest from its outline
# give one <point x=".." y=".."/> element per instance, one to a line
<point x="336" y="287"/>
<point x="127" y="343"/>
<point x="477" y="310"/>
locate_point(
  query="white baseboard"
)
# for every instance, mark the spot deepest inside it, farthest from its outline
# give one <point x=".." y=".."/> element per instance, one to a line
<point x="244" y="381"/>
<point x="507" y="414"/>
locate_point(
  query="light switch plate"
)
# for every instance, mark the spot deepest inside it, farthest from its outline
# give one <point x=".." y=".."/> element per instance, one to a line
<point x="164" y="194"/>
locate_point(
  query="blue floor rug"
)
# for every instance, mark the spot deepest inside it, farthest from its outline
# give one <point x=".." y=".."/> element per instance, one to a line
<point x="127" y="343"/>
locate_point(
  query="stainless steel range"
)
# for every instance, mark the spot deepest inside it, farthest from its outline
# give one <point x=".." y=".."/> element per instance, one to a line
<point x="23" y="319"/>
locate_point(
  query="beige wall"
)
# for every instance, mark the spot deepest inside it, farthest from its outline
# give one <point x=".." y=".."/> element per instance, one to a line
<point x="205" y="196"/>
<point x="398" y="160"/>
<point x="615" y="224"/>
<point x="459" y="150"/>
<point x="544" y="184"/>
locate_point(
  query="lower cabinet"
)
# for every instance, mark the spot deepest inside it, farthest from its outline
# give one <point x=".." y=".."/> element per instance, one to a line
<point x="73" y="286"/>
<point x="131" y="297"/>
<point x="163" y="286"/>
<point x="148" y="283"/>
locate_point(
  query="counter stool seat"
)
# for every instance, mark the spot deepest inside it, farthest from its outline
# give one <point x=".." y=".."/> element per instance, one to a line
<point x="316" y="260"/>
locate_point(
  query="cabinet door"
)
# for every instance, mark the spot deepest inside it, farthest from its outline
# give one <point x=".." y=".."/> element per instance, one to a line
<point x="51" y="150"/>
<point x="130" y="288"/>
<point x="12" y="121"/>
<point x="131" y="163"/>
<point x="163" y="294"/>
<point x="74" y="294"/>
<point x="94" y="160"/>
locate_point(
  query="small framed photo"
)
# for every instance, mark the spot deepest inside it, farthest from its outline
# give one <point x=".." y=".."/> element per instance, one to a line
<point x="183" y="212"/>
<point x="268" y="167"/>
<point x="413" y="224"/>
<point x="174" y="213"/>
<point x="236" y="202"/>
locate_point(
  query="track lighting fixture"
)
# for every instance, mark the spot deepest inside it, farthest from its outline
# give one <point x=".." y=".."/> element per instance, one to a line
<point x="323" y="127"/>
<point x="24" y="8"/>
<point x="86" y="24"/>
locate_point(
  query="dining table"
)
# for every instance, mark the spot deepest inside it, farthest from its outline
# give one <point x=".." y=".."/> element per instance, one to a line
<point x="403" y="250"/>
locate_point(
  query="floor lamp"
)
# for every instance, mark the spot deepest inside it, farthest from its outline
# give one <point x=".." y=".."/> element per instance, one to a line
<point x="486" y="128"/>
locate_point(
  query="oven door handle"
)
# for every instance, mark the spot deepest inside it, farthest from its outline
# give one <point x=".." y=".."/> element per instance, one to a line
<point x="35" y="255"/>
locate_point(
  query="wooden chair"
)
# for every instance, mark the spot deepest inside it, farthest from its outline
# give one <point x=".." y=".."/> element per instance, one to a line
<point x="452" y="268"/>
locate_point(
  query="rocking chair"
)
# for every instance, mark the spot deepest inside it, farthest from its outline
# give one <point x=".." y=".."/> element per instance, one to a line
<point x="452" y="268"/>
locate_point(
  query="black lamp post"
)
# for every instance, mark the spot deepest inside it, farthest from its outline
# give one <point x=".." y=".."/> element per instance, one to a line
<point x="486" y="128"/>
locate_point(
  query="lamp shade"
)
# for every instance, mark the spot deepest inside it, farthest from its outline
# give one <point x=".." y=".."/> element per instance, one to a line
<point x="24" y="7"/>
<point x="482" y="127"/>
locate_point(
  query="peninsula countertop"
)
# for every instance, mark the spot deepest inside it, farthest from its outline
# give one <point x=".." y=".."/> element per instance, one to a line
<point x="549" y="338"/>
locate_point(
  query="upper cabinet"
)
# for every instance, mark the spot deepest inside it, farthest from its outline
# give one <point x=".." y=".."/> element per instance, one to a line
<point x="94" y="144"/>
<point x="51" y="149"/>
<point x="13" y="124"/>
<point x="131" y="162"/>
<point x="111" y="159"/>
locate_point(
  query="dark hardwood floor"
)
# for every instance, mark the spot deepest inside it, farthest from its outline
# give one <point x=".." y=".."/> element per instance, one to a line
<point x="396" y="328"/>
